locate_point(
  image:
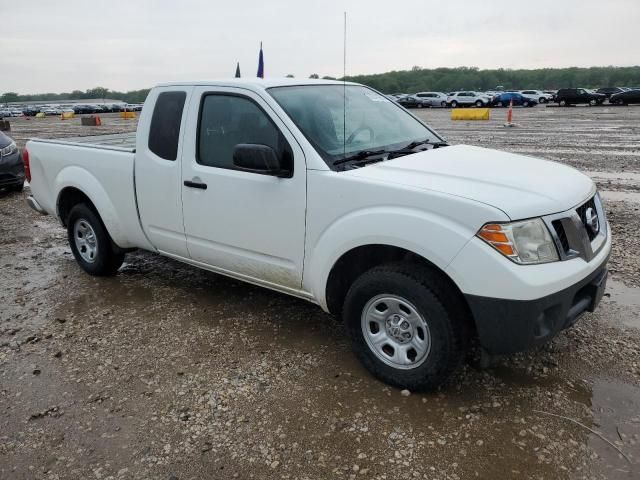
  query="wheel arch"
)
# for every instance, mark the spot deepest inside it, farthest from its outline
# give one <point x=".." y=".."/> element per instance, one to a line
<point x="73" y="185"/>
<point x="356" y="261"/>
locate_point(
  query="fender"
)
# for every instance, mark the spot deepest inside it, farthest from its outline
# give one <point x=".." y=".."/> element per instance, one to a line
<point x="84" y="181"/>
<point x="399" y="227"/>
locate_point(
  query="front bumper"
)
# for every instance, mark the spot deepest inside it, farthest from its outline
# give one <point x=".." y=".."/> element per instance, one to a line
<point x="508" y="326"/>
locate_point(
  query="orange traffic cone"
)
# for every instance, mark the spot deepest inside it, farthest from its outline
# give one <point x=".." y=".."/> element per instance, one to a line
<point x="510" y="112"/>
<point x="98" y="121"/>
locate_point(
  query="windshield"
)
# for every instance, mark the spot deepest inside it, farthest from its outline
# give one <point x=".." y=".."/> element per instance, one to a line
<point x="371" y="121"/>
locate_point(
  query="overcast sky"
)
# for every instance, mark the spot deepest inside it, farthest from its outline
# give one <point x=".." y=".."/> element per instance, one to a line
<point x="62" y="45"/>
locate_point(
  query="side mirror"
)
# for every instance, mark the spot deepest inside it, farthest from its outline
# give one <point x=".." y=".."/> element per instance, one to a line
<point x="256" y="158"/>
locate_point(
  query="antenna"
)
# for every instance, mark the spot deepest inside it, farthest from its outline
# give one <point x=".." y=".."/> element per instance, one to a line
<point x="344" y="89"/>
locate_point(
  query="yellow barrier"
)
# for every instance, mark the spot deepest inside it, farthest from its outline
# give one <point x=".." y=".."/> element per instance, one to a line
<point x="67" y="115"/>
<point x="127" y="114"/>
<point x="470" y="114"/>
<point x="40" y="115"/>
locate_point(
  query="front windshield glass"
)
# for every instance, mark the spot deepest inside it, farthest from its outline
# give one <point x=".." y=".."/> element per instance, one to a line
<point x="371" y="122"/>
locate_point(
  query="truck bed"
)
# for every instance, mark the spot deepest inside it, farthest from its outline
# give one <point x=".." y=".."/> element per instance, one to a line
<point x="124" y="142"/>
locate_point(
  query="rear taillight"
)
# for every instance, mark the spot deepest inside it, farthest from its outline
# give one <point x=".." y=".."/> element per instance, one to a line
<point x="27" y="168"/>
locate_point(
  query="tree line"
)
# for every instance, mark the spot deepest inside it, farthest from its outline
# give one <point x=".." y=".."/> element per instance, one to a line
<point x="133" y="96"/>
<point x="418" y="79"/>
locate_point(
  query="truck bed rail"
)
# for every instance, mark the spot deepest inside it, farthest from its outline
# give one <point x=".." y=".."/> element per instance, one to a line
<point x="123" y="142"/>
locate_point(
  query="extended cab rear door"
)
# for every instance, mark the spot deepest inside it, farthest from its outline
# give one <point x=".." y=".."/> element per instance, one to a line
<point x="243" y="223"/>
<point x="158" y="175"/>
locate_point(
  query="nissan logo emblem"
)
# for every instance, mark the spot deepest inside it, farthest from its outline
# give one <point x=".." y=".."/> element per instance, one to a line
<point x="591" y="220"/>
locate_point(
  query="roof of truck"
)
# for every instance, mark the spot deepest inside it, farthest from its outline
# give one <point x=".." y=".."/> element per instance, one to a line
<point x="256" y="83"/>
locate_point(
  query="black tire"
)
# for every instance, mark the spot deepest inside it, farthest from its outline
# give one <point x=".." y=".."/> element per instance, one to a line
<point x="18" y="188"/>
<point x="443" y="104"/>
<point x="525" y="103"/>
<point x="542" y="100"/>
<point x="454" y="104"/>
<point x="434" y="300"/>
<point x="479" y="104"/>
<point x="108" y="258"/>
<point x="563" y="103"/>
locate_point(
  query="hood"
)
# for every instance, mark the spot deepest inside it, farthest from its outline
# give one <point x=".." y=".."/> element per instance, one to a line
<point x="5" y="140"/>
<point x="519" y="185"/>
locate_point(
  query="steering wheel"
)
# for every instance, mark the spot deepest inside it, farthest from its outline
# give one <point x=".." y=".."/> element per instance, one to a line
<point x="355" y="133"/>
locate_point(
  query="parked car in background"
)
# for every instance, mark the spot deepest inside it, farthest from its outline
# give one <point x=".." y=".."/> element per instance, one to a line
<point x="519" y="100"/>
<point x="11" y="167"/>
<point x="576" y="96"/>
<point x="5" y="112"/>
<point x="409" y="101"/>
<point x="626" y="97"/>
<point x="432" y="99"/>
<point x="51" y="111"/>
<point x="467" y="99"/>
<point x="80" y="109"/>
<point x="608" y="91"/>
<point x="30" y="111"/>
<point x="538" y="95"/>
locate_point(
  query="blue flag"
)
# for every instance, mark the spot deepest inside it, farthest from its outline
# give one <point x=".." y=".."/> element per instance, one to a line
<point x="260" y="63"/>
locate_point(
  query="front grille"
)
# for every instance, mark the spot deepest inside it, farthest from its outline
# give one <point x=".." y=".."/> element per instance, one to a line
<point x="562" y="235"/>
<point x="582" y="213"/>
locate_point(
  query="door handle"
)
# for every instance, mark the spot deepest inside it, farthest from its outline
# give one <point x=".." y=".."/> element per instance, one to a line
<point x="189" y="183"/>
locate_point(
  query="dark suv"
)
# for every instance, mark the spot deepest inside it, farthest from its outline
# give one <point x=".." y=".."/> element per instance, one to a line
<point x="575" y="96"/>
<point x="11" y="167"/>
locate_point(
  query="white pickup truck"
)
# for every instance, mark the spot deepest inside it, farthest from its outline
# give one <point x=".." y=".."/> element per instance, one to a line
<point x="332" y="193"/>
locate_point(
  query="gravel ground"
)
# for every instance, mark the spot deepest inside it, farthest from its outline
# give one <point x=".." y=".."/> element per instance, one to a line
<point x="168" y="372"/>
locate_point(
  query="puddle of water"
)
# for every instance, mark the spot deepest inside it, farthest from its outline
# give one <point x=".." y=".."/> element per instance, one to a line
<point x="631" y="197"/>
<point x="616" y="415"/>
<point x="627" y="299"/>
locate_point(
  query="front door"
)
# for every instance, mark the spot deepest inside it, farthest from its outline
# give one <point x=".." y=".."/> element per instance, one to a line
<point x="242" y="223"/>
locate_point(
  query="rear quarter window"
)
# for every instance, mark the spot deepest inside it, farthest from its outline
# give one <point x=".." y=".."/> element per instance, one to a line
<point x="164" y="133"/>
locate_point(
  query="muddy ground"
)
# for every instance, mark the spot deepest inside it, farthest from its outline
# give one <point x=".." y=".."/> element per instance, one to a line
<point x="168" y="372"/>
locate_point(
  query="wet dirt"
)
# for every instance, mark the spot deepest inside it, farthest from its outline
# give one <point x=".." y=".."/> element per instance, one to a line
<point x="166" y="371"/>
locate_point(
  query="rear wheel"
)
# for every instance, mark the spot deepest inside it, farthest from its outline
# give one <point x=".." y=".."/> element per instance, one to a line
<point x="593" y="102"/>
<point x="443" y="104"/>
<point x="454" y="104"/>
<point x="525" y="103"/>
<point x="91" y="244"/>
<point x="563" y="103"/>
<point x="542" y="100"/>
<point x="406" y="327"/>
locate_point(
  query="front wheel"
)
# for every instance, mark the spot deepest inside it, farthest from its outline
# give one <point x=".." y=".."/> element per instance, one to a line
<point x="479" y="104"/>
<point x="91" y="244"/>
<point x="443" y="104"/>
<point x="454" y="104"/>
<point x="564" y="103"/>
<point x="542" y="100"/>
<point x="405" y="326"/>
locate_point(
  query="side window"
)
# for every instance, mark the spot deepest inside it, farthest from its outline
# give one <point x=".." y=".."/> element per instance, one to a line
<point x="164" y="132"/>
<point x="229" y="120"/>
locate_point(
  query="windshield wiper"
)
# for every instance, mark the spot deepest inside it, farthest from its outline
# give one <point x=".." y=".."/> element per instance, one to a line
<point x="417" y="143"/>
<point x="408" y="149"/>
<point x="361" y="155"/>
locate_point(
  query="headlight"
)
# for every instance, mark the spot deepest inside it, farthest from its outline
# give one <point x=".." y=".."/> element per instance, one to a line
<point x="8" y="150"/>
<point x="525" y="242"/>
